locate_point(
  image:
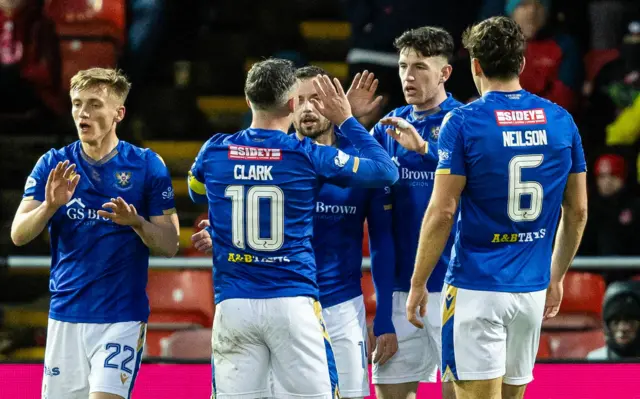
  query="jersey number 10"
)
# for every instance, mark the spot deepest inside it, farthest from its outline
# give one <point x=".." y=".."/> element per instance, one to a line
<point x="251" y="208"/>
<point x="518" y="188"/>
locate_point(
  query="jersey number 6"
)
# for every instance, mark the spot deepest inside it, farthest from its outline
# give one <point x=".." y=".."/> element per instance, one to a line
<point x="518" y="188"/>
<point x="275" y="196"/>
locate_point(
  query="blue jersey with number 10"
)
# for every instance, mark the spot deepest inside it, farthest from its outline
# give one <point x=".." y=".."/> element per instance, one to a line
<point x="261" y="186"/>
<point x="516" y="151"/>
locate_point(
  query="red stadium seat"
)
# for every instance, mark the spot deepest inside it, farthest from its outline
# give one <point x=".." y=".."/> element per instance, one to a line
<point x="575" y="345"/>
<point x="544" y="349"/>
<point x="637" y="278"/>
<point x="365" y="240"/>
<point x="180" y="299"/>
<point x="80" y="53"/>
<point x="188" y="344"/>
<point x="582" y="303"/>
<point x="156" y="340"/>
<point x="108" y="14"/>
<point x="369" y="293"/>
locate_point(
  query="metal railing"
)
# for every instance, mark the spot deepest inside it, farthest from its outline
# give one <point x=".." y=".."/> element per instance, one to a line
<point x="584" y="263"/>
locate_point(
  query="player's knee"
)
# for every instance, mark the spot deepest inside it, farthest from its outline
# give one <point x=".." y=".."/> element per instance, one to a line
<point x="104" y="395"/>
<point x="513" y="391"/>
<point x="405" y="390"/>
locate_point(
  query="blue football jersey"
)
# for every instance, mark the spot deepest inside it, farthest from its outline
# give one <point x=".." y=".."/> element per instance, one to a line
<point x="98" y="268"/>
<point x="339" y="218"/>
<point x="261" y="186"/>
<point x="516" y="151"/>
<point x="412" y="191"/>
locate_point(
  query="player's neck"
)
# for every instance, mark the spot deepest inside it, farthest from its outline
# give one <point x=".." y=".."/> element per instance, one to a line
<point x="100" y="149"/>
<point x="327" y="138"/>
<point x="260" y="121"/>
<point x="501" y="85"/>
<point x="432" y="102"/>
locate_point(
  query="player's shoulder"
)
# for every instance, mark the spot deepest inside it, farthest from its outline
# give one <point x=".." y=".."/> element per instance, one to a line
<point x="134" y="153"/>
<point x="450" y="103"/>
<point x="54" y="155"/>
<point x="402" y="112"/>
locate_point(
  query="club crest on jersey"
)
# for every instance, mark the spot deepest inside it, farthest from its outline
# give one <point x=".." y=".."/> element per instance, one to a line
<point x="435" y="132"/>
<point x="123" y="179"/>
<point x="341" y="159"/>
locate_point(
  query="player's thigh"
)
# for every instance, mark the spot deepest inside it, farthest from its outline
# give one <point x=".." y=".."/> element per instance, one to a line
<point x="523" y="337"/>
<point x="115" y="353"/>
<point x="473" y="334"/>
<point x="347" y="327"/>
<point x="482" y="389"/>
<point x="240" y="357"/>
<point x="414" y="360"/>
<point x="66" y="366"/>
<point x="405" y="390"/>
<point x="302" y="358"/>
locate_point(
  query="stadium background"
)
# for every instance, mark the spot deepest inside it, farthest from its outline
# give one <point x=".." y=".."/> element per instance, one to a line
<point x="187" y="61"/>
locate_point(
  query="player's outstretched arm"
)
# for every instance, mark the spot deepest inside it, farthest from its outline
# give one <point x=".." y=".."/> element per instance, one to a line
<point x="374" y="168"/>
<point x="33" y="215"/>
<point x="379" y="220"/>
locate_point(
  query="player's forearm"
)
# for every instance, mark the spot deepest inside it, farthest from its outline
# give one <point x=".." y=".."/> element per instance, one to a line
<point x="29" y="225"/>
<point x="162" y="240"/>
<point x="572" y="224"/>
<point x="434" y="233"/>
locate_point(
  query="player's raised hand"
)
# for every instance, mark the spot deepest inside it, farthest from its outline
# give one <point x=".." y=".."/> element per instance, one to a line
<point x="554" y="299"/>
<point x="331" y="103"/>
<point x="417" y="305"/>
<point x="61" y="184"/>
<point x="202" y="239"/>
<point x="361" y="93"/>
<point x="386" y="347"/>
<point x="405" y="134"/>
<point x="121" y="213"/>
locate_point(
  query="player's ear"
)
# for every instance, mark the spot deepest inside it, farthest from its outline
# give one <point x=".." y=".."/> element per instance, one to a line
<point x="248" y="102"/>
<point x="445" y="73"/>
<point x="476" y="69"/>
<point x="291" y="104"/>
<point x="524" y="61"/>
<point x="120" y="113"/>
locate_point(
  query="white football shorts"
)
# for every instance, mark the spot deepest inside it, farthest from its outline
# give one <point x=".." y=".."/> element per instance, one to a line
<point x="272" y="347"/>
<point x="347" y="326"/>
<point x="81" y="358"/>
<point x="418" y="356"/>
<point x="488" y="334"/>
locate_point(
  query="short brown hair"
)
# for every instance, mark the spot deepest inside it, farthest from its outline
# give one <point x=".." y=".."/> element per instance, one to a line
<point x="113" y="79"/>
<point x="269" y="82"/>
<point x="498" y="45"/>
<point x="310" y="72"/>
<point x="428" y="41"/>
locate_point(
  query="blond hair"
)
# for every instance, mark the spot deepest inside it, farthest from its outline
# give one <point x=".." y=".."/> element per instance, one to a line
<point x="113" y="79"/>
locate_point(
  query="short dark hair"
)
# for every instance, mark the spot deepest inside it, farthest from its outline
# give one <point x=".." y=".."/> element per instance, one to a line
<point x="498" y="45"/>
<point x="310" y="71"/>
<point x="269" y="81"/>
<point x="429" y="41"/>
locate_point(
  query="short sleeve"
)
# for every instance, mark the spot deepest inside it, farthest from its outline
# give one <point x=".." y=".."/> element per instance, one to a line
<point x="37" y="181"/>
<point x="160" y="199"/>
<point x="578" y="163"/>
<point x="451" y="146"/>
<point x="196" y="173"/>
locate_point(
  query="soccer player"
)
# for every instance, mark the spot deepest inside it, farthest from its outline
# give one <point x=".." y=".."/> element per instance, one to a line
<point x="107" y="204"/>
<point x="261" y="185"/>
<point x="423" y="63"/>
<point x="513" y="161"/>
<point x="339" y="218"/>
